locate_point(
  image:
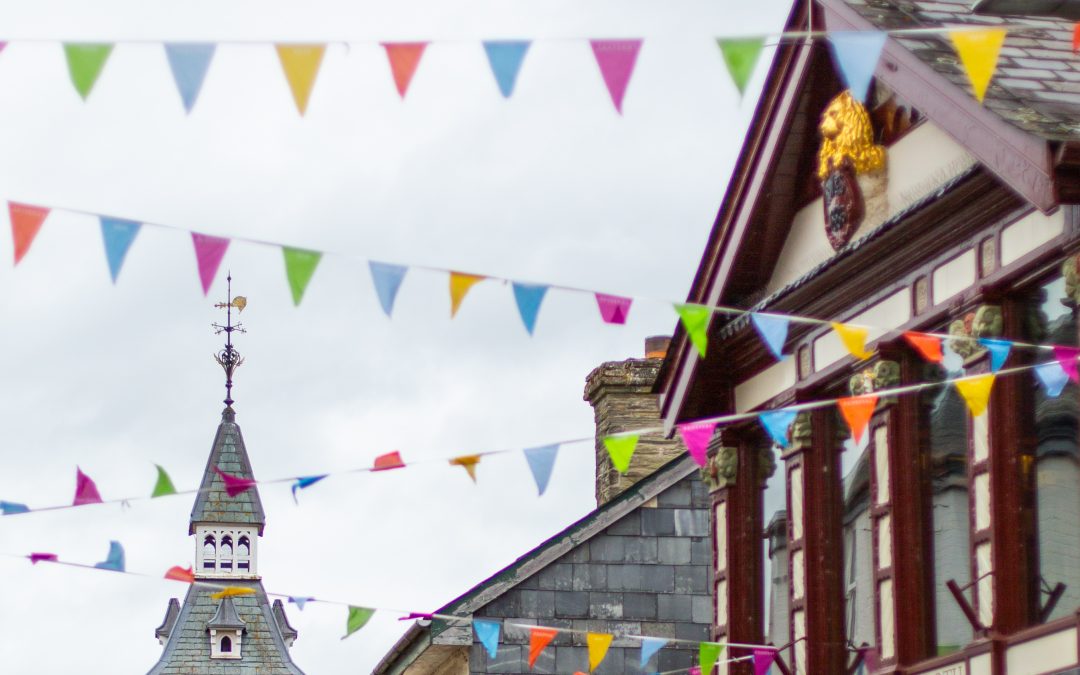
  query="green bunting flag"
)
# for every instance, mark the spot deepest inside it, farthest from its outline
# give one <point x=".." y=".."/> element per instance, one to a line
<point x="621" y="449"/>
<point x="164" y="484"/>
<point x="708" y="653"/>
<point x="695" y="319"/>
<point x="299" y="267"/>
<point x="358" y="617"/>
<point x="741" y="56"/>
<point x="85" y="62"/>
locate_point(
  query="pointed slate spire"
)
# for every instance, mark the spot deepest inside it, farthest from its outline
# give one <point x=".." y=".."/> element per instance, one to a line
<point x="213" y="503"/>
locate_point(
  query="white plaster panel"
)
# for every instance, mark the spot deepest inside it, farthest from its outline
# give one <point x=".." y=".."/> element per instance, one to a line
<point x="1029" y="233"/>
<point x="958" y="668"/>
<point x="798" y="575"/>
<point x="980" y="430"/>
<point x="954" y="276"/>
<point x="796" y="503"/>
<point x="887" y="619"/>
<point x="798" y="625"/>
<point x="979" y="665"/>
<point x="984" y="565"/>
<point x="881" y="463"/>
<point x="721" y="603"/>
<point x="882" y="317"/>
<point x="768" y="383"/>
<point x="982" y="501"/>
<point x="884" y="542"/>
<point x="721" y="536"/>
<point x="1044" y="655"/>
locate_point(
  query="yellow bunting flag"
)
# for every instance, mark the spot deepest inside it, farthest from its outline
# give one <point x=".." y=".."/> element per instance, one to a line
<point x="301" y="65"/>
<point x="978" y="51"/>
<point x="857" y="411"/>
<point x="976" y="391"/>
<point x="621" y="449"/>
<point x="460" y="283"/>
<point x="854" y="339"/>
<point x="467" y="462"/>
<point x="232" y="591"/>
<point x="598" y="646"/>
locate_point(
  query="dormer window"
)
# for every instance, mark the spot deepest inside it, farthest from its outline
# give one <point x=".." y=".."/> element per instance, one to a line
<point x="226" y="630"/>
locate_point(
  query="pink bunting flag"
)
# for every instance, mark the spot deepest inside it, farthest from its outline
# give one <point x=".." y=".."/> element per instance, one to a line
<point x="616" y="59"/>
<point x="35" y="558"/>
<point x="763" y="660"/>
<point x="234" y="485"/>
<point x="86" y="491"/>
<point x="208" y="254"/>
<point x="696" y="436"/>
<point x="391" y="460"/>
<point x="1067" y="356"/>
<point x="613" y="309"/>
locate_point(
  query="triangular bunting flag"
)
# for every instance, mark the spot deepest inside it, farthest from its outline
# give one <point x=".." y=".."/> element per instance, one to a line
<point x="85" y="62"/>
<point x="616" y="59"/>
<point x="528" y="298"/>
<point x="1066" y="356"/>
<point x="164" y="485"/>
<point x="1076" y="37"/>
<point x="387" y="280"/>
<point x="763" y="660"/>
<point x="856" y="54"/>
<point x="487" y="632"/>
<point x="621" y="449"/>
<point x="208" y="254"/>
<point x="234" y="485"/>
<point x="695" y="319"/>
<point x="740" y="56"/>
<point x="404" y="58"/>
<point x="388" y="461"/>
<point x="978" y="51"/>
<point x="999" y="351"/>
<point x="303" y="482"/>
<point x="299" y="267"/>
<point x="86" y="491"/>
<point x="854" y="339"/>
<point x="118" y="236"/>
<point x="232" y="592"/>
<point x="26" y="221"/>
<point x="115" y="560"/>
<point x="357" y="619"/>
<point x="773" y="330"/>
<point x="300" y="601"/>
<point x="613" y="308"/>
<point x="696" y="436"/>
<point x="857" y="411"/>
<point x="12" y="508"/>
<point x="598" y="644"/>
<point x="650" y="646"/>
<point x="539" y="638"/>
<point x="189" y="62"/>
<point x="708" y="653"/>
<point x="460" y="284"/>
<point x="35" y="558"/>
<point x="777" y="423"/>
<point x="1052" y="376"/>
<point x="976" y="391"/>
<point x="929" y="346"/>
<point x="506" y="57"/>
<point x="541" y="460"/>
<point x="467" y="462"/>
<point x="301" y="65"/>
<point x="177" y="573"/>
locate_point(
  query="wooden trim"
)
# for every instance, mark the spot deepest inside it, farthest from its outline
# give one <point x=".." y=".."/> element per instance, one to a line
<point x="744" y="526"/>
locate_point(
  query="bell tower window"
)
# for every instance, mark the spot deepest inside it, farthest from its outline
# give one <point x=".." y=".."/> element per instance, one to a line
<point x="209" y="551"/>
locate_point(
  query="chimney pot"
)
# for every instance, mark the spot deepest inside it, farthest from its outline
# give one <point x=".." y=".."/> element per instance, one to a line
<point x="656" y="346"/>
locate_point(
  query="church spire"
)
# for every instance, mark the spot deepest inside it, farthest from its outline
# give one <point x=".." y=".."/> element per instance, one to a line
<point x="228" y="358"/>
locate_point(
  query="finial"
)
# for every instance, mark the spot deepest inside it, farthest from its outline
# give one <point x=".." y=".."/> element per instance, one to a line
<point x="228" y="358"/>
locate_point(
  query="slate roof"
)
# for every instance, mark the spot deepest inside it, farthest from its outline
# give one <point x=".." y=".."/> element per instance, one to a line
<point x="262" y="648"/>
<point x="213" y="504"/>
<point x="1037" y="84"/>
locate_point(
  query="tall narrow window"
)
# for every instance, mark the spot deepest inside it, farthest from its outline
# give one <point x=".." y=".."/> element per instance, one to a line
<point x="858" y="541"/>
<point x="775" y="569"/>
<point x="243" y="554"/>
<point x="209" y="553"/>
<point x="226" y="644"/>
<point x="226" y="553"/>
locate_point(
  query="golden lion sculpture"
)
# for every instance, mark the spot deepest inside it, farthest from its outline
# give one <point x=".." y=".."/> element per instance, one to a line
<point x="846" y="133"/>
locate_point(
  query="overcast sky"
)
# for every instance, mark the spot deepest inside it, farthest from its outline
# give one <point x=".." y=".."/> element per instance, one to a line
<point x="551" y="185"/>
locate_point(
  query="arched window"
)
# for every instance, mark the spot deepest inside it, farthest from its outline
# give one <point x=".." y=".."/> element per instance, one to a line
<point x="226" y="644"/>
<point x="209" y="552"/>
<point x="243" y="549"/>
<point x="226" y="556"/>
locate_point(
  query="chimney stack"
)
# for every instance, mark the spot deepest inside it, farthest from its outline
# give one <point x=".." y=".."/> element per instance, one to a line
<point x="621" y="394"/>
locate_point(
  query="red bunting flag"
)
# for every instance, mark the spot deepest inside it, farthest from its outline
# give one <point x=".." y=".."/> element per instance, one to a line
<point x="1076" y="37"/>
<point x="391" y="460"/>
<point x="26" y="221"/>
<point x="234" y="485"/>
<point x="539" y="639"/>
<point x="929" y="346"/>
<point x="86" y="491"/>
<point x="404" y="58"/>
<point x="616" y="59"/>
<point x="857" y="411"/>
<point x="178" y="573"/>
<point x="208" y="254"/>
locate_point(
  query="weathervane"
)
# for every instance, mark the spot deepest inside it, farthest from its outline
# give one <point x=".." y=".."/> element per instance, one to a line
<point x="229" y="359"/>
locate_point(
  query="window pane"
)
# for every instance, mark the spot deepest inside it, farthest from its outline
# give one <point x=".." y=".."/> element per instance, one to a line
<point x="858" y="563"/>
<point x="775" y="568"/>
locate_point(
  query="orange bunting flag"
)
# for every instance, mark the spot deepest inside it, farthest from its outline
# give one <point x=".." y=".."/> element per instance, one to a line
<point x="976" y="391"/>
<point x="854" y="339"/>
<point x="391" y="460"/>
<point x="26" y="220"/>
<point x="857" y="411"/>
<point x="467" y="462"/>
<point x="978" y="51"/>
<point x="232" y="591"/>
<point x="598" y="645"/>
<point x="460" y="284"/>
<point x="929" y="346"/>
<point x="404" y="58"/>
<point x="178" y="573"/>
<point x="301" y="65"/>
<point x="539" y="639"/>
<point x="1076" y="37"/>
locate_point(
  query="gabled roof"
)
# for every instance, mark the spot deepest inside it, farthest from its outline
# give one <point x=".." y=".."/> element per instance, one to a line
<point x="418" y="637"/>
<point x="213" y="504"/>
<point x="225" y="616"/>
